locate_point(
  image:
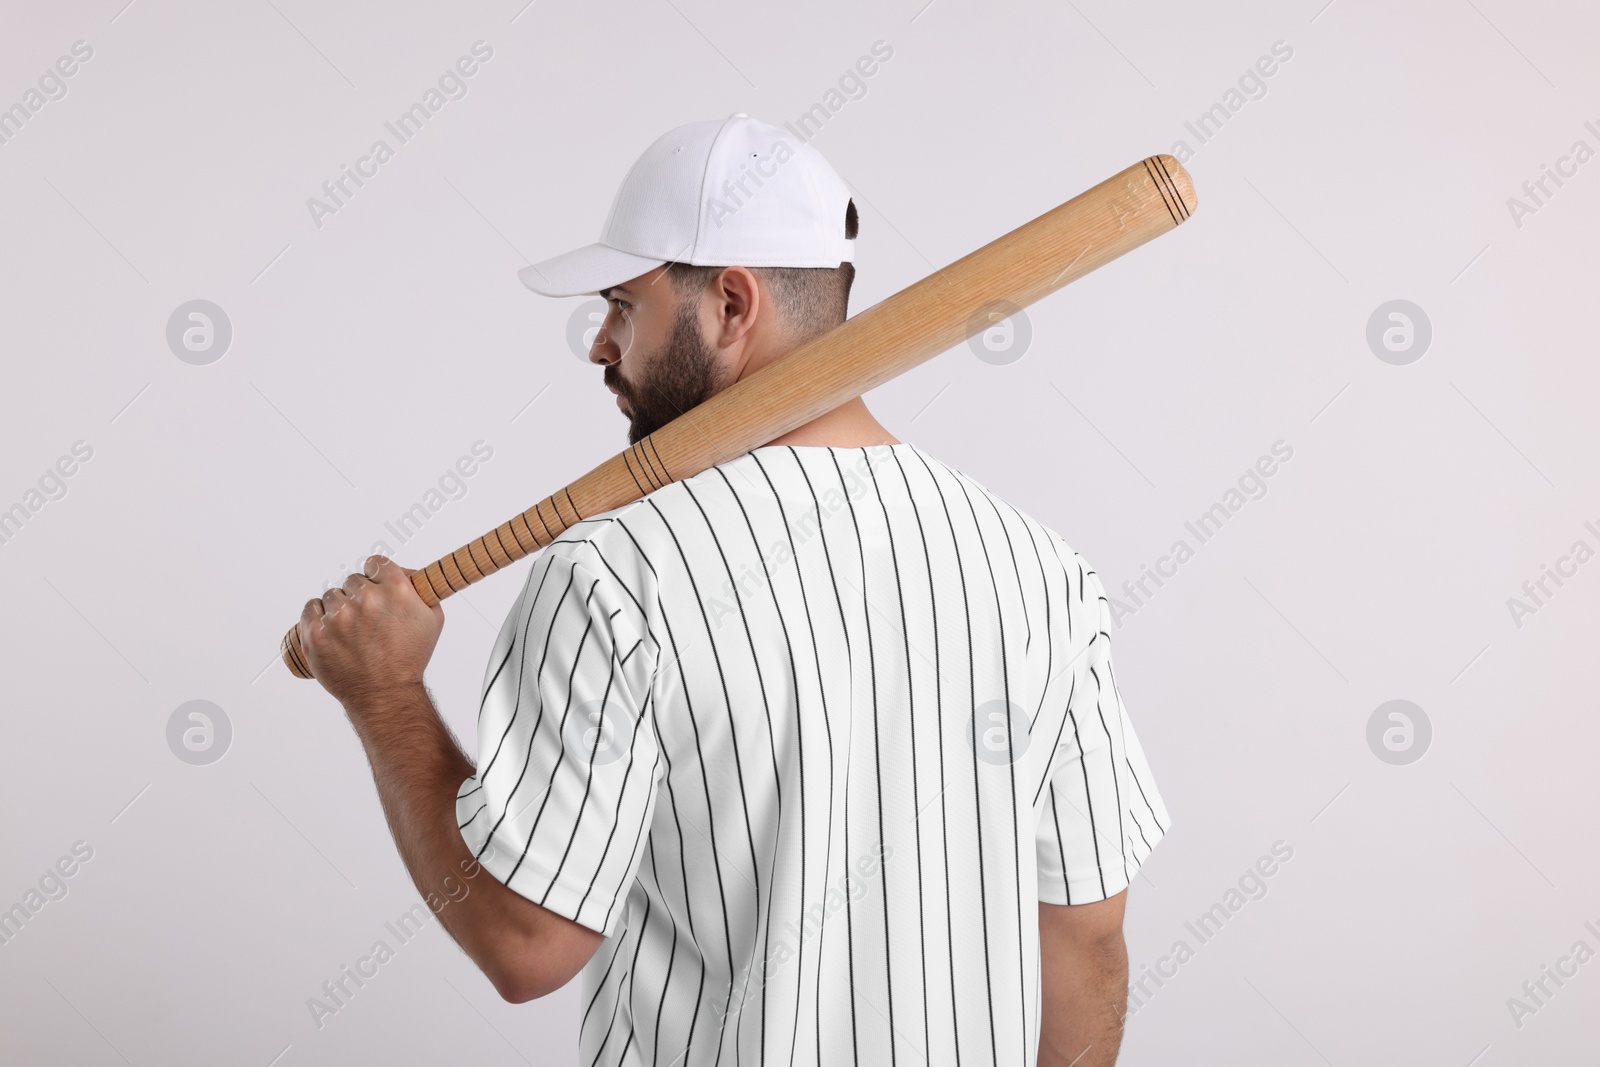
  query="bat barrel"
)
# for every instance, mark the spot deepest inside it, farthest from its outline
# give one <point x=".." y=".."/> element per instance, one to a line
<point x="930" y="316"/>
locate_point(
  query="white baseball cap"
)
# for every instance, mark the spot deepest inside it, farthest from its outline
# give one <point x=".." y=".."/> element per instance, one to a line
<point x="728" y="192"/>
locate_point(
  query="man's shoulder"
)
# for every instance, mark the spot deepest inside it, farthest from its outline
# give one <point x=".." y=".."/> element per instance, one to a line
<point x="606" y="531"/>
<point x="652" y="534"/>
<point x="1054" y="549"/>
<point x="609" y="546"/>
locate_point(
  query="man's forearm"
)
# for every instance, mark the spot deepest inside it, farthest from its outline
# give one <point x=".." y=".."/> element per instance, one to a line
<point x="418" y="767"/>
<point x="1085" y="999"/>
<point x="369" y="643"/>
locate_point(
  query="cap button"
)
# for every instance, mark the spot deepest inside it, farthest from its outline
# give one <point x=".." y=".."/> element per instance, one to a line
<point x="738" y="115"/>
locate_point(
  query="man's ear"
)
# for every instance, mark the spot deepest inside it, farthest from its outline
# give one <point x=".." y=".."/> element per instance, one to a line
<point x="739" y="301"/>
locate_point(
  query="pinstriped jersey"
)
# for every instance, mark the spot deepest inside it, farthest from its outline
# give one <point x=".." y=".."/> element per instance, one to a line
<point x="807" y="736"/>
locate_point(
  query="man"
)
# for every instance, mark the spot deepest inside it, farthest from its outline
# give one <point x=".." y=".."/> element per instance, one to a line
<point x="813" y="757"/>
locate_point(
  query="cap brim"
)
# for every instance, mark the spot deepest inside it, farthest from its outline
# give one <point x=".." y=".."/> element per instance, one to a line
<point x="585" y="270"/>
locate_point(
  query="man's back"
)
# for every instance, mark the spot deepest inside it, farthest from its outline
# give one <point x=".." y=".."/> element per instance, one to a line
<point x="809" y="735"/>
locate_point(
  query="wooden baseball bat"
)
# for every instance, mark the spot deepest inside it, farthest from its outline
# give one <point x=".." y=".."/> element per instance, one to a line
<point x="940" y="311"/>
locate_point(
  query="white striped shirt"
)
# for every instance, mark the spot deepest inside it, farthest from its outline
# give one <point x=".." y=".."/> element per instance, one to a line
<point x="754" y="728"/>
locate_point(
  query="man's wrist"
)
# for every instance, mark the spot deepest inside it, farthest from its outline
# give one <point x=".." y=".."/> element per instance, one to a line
<point x="387" y="698"/>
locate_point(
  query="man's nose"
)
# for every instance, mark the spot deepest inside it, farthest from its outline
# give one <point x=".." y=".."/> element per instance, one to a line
<point x="601" y="351"/>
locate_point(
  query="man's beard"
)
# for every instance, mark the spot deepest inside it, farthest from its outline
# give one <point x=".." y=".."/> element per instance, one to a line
<point x="683" y="375"/>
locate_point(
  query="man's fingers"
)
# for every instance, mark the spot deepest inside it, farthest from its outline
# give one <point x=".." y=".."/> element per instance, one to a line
<point x="310" y="616"/>
<point x="354" y="583"/>
<point x="381" y="568"/>
<point x="332" y="601"/>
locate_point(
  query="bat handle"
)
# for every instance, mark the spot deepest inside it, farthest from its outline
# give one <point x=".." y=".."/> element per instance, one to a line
<point x="526" y="532"/>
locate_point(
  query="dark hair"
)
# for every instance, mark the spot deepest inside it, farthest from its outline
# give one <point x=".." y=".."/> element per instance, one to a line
<point x="811" y="300"/>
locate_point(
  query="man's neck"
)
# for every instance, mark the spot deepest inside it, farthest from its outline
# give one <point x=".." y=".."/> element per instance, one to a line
<point x="850" y="425"/>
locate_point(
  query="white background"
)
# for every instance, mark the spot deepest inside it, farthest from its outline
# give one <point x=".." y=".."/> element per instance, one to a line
<point x="371" y="352"/>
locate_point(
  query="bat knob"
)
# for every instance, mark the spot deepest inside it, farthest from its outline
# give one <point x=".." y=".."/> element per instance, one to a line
<point x="294" y="657"/>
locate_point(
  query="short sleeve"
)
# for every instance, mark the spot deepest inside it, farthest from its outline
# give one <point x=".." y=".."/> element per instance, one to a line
<point x="1102" y="814"/>
<point x="568" y="757"/>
